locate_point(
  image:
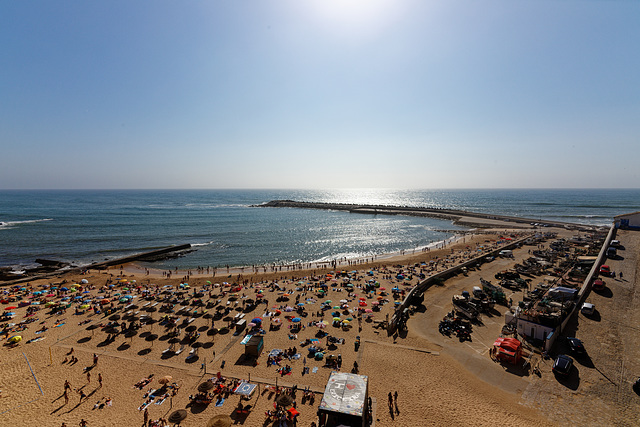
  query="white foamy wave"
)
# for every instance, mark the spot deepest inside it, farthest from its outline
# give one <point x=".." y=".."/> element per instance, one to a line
<point x="11" y="224"/>
<point x="202" y="244"/>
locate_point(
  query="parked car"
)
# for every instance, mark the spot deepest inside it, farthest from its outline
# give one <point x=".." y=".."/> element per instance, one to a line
<point x="598" y="285"/>
<point x="588" y="309"/>
<point x="605" y="270"/>
<point x="562" y="365"/>
<point x="615" y="243"/>
<point x="575" y="345"/>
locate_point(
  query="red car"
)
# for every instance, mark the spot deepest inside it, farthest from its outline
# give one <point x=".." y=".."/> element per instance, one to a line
<point x="598" y="284"/>
<point x="605" y="270"/>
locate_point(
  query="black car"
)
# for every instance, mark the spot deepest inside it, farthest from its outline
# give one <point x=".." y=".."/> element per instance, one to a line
<point x="576" y="345"/>
<point x="562" y="365"/>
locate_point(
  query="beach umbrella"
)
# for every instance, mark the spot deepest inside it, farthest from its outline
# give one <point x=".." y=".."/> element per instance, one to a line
<point x="284" y="400"/>
<point x="205" y="386"/>
<point x="256" y="320"/>
<point x="296" y="319"/>
<point x="288" y="309"/>
<point x="362" y="304"/>
<point x="64" y="288"/>
<point x="15" y="338"/>
<point x="327" y="301"/>
<point x="336" y="319"/>
<point x="105" y="301"/>
<point x="190" y="328"/>
<point x="277" y="320"/>
<point x="220" y="420"/>
<point x="165" y="380"/>
<point x="123" y="300"/>
<point x="115" y="317"/>
<point x="177" y="416"/>
<point x="368" y="310"/>
<point x="300" y="304"/>
<point x="344" y="301"/>
<point x="252" y="325"/>
<point x="84" y="306"/>
<point x="10" y="308"/>
<point x="345" y="321"/>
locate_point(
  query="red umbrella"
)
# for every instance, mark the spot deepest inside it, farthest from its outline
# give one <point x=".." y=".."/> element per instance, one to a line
<point x="10" y="308"/>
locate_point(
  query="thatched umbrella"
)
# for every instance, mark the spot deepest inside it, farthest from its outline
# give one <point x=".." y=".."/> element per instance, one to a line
<point x="177" y="417"/>
<point x="190" y="328"/>
<point x="115" y="317"/>
<point x="165" y="380"/>
<point x="205" y="387"/>
<point x="220" y="420"/>
<point x="284" y="400"/>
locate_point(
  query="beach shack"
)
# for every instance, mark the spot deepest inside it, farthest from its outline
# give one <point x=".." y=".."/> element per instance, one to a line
<point x="253" y="346"/>
<point x="345" y="401"/>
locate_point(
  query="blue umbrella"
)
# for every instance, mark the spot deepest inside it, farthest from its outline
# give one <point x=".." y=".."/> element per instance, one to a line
<point x="300" y="304"/>
<point x="64" y="298"/>
<point x="64" y="288"/>
<point x="256" y="320"/>
<point x="296" y="319"/>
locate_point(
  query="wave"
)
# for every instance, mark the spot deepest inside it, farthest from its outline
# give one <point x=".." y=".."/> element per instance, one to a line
<point x="11" y="224"/>
<point x="202" y="244"/>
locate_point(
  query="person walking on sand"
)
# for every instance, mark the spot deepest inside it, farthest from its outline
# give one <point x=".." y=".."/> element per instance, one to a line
<point x="83" y="423"/>
<point x="146" y="417"/>
<point x="95" y="359"/>
<point x="88" y="377"/>
<point x="99" y="380"/>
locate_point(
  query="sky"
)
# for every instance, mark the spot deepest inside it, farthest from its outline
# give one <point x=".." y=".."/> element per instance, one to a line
<point x="308" y="94"/>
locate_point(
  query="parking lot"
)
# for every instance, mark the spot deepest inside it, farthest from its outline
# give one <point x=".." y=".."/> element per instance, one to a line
<point x="598" y="391"/>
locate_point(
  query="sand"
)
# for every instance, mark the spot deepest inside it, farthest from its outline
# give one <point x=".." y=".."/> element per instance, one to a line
<point x="433" y="388"/>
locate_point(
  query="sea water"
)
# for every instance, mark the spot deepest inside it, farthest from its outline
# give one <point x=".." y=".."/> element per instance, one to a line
<point x="83" y="226"/>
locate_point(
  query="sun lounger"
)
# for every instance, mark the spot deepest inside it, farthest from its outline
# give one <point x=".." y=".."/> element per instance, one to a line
<point x="180" y="350"/>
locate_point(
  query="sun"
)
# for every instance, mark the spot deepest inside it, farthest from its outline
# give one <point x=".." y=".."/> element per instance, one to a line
<point x="356" y="17"/>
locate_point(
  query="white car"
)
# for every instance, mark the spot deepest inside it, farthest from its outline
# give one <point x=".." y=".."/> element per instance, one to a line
<point x="588" y="309"/>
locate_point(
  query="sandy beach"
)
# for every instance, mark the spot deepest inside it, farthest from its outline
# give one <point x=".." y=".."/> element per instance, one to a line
<point x="433" y="387"/>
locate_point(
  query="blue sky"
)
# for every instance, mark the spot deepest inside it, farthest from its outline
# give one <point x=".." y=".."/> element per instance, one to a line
<point x="320" y="94"/>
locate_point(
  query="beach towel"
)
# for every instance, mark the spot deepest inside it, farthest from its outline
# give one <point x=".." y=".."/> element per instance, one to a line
<point x="59" y="324"/>
<point x="35" y="339"/>
<point x="315" y="369"/>
<point x="219" y="402"/>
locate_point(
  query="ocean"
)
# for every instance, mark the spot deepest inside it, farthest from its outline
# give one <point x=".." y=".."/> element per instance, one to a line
<point x="82" y="226"/>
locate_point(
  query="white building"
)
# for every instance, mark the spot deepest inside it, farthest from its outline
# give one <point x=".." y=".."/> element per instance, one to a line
<point x="628" y="221"/>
